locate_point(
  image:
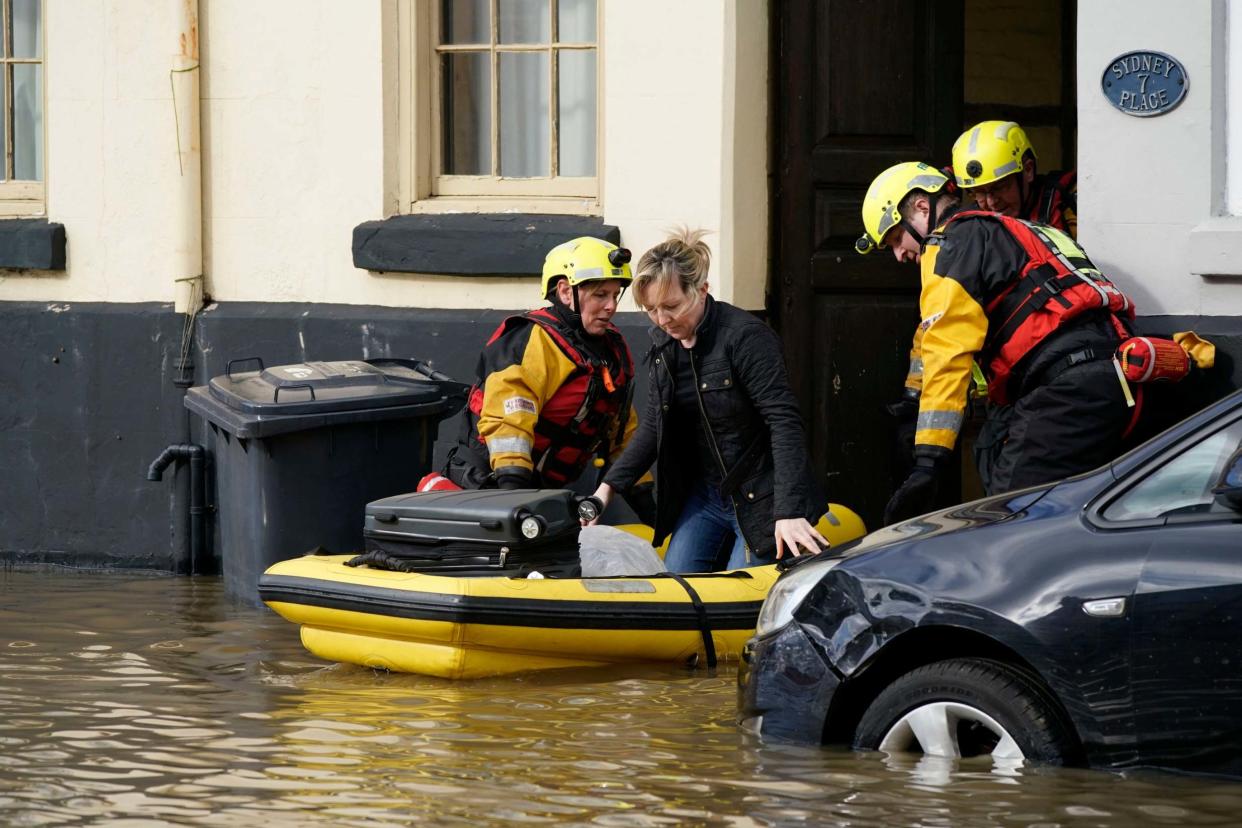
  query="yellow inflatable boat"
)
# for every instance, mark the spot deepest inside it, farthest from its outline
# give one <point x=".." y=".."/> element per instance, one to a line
<point x="471" y="627"/>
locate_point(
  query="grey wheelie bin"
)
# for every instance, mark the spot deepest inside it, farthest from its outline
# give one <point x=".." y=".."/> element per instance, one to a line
<point x="300" y="450"/>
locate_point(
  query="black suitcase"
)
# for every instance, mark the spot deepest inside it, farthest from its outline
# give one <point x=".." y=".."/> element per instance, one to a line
<point x="509" y="532"/>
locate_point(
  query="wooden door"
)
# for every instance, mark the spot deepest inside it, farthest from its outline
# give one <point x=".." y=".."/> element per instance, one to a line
<point x="858" y="85"/>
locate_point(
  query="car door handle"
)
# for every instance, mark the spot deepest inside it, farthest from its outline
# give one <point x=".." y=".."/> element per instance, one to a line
<point x="1105" y="607"/>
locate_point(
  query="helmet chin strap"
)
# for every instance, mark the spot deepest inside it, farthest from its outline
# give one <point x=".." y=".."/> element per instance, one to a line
<point x="933" y="202"/>
<point x="570" y="313"/>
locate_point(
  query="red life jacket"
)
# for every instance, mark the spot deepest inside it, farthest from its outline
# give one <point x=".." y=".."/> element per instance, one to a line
<point x="1055" y="287"/>
<point x="574" y="422"/>
<point x="1055" y="196"/>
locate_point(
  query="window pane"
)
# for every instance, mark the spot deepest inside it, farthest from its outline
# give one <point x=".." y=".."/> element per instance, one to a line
<point x="575" y="21"/>
<point x="525" y="145"/>
<point x="467" y="113"/>
<point x="27" y="29"/>
<point x="466" y="21"/>
<point x="4" y="117"/>
<point x="524" y="21"/>
<point x="575" y="112"/>
<point x="1183" y="485"/>
<point x="28" y="122"/>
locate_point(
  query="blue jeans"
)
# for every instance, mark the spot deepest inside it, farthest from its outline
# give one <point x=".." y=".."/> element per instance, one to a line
<point x="705" y="531"/>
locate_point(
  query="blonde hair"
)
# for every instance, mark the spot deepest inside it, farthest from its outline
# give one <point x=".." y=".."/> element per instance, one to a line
<point x="683" y="257"/>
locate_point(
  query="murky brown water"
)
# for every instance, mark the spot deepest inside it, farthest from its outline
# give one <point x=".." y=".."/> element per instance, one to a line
<point x="142" y="701"/>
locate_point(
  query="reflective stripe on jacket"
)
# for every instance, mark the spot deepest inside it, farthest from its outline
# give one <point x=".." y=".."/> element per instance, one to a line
<point x="997" y="287"/>
<point x="547" y="401"/>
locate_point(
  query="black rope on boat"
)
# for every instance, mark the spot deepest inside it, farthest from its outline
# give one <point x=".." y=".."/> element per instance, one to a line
<point x="700" y="610"/>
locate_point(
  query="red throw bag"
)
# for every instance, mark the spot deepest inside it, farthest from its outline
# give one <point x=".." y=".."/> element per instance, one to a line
<point x="1150" y="359"/>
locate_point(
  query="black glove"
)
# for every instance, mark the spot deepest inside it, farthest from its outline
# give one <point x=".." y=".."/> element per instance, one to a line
<point x="906" y="414"/>
<point x="641" y="498"/>
<point x="514" y="477"/>
<point x="905" y="410"/>
<point x="916" y="495"/>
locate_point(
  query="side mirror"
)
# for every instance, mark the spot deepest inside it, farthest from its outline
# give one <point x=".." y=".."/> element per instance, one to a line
<point x="1228" y="488"/>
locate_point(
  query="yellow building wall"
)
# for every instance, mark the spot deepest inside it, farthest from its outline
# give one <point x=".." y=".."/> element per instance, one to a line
<point x="299" y="142"/>
<point x="1013" y="57"/>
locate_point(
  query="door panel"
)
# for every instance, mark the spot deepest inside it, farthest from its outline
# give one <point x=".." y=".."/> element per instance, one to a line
<point x="867" y="102"/>
<point x="1188" y="648"/>
<point x="860" y="85"/>
<point x="855" y="323"/>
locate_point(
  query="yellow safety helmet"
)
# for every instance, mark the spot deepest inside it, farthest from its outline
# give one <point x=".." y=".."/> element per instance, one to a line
<point x="586" y="259"/>
<point x="879" y="207"/>
<point x="988" y="152"/>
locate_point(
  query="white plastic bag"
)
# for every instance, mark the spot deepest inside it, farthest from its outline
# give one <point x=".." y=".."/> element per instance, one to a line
<point x="607" y="550"/>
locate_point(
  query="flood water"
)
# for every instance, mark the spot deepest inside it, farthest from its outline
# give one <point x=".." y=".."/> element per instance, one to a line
<point x="150" y="700"/>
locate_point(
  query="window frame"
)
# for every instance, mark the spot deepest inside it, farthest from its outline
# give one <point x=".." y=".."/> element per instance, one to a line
<point x="1096" y="512"/>
<point x="20" y="198"/>
<point x="421" y="188"/>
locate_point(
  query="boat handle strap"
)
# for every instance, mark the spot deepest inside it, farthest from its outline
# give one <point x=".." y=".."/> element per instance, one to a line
<point x="700" y="611"/>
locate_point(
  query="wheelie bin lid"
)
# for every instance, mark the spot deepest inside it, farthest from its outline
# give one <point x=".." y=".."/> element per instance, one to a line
<point x="286" y="398"/>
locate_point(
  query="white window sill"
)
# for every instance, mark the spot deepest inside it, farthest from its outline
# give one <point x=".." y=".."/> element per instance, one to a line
<point x="562" y="206"/>
<point x="1216" y="247"/>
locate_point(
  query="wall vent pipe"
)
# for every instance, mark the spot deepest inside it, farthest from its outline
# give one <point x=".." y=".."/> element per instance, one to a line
<point x="197" y="456"/>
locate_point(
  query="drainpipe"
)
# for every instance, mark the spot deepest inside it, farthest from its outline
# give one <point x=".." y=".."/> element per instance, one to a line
<point x="187" y="221"/>
<point x="185" y="229"/>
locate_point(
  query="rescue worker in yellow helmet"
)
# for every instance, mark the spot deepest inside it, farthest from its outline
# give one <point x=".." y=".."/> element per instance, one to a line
<point x="554" y="385"/>
<point x="1025" y="302"/>
<point x="995" y="165"/>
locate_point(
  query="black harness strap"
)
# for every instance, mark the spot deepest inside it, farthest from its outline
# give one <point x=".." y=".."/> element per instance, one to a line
<point x="1081" y="357"/>
<point x="1045" y="203"/>
<point x="700" y="611"/>
<point x="1036" y="289"/>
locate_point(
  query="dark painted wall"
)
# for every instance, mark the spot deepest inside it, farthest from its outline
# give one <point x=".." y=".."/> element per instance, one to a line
<point x="88" y="400"/>
<point x="85" y="405"/>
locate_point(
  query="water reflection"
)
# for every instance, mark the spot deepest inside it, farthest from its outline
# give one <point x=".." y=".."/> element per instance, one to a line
<point x="153" y="701"/>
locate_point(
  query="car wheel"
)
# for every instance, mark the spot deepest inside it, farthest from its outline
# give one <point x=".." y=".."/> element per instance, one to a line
<point x="967" y="707"/>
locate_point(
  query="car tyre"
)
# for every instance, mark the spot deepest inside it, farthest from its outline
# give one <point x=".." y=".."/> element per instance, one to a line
<point x="967" y="707"/>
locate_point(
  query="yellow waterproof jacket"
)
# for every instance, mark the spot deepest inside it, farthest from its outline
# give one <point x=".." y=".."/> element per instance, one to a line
<point x="1053" y="201"/>
<point x="548" y="398"/>
<point x="971" y="261"/>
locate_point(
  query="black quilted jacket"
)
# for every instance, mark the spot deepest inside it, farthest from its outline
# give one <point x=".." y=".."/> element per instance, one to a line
<point x="752" y="418"/>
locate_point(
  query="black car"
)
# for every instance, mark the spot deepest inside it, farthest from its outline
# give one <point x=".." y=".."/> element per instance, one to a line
<point x="1093" y="621"/>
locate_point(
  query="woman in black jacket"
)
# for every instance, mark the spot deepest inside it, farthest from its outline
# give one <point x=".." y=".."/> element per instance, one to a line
<point x="733" y="485"/>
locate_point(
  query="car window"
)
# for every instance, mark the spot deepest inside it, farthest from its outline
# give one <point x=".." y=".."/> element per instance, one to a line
<point x="1184" y="484"/>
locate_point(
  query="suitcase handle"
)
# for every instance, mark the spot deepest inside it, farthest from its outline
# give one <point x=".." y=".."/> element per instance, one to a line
<point x="385" y="517"/>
